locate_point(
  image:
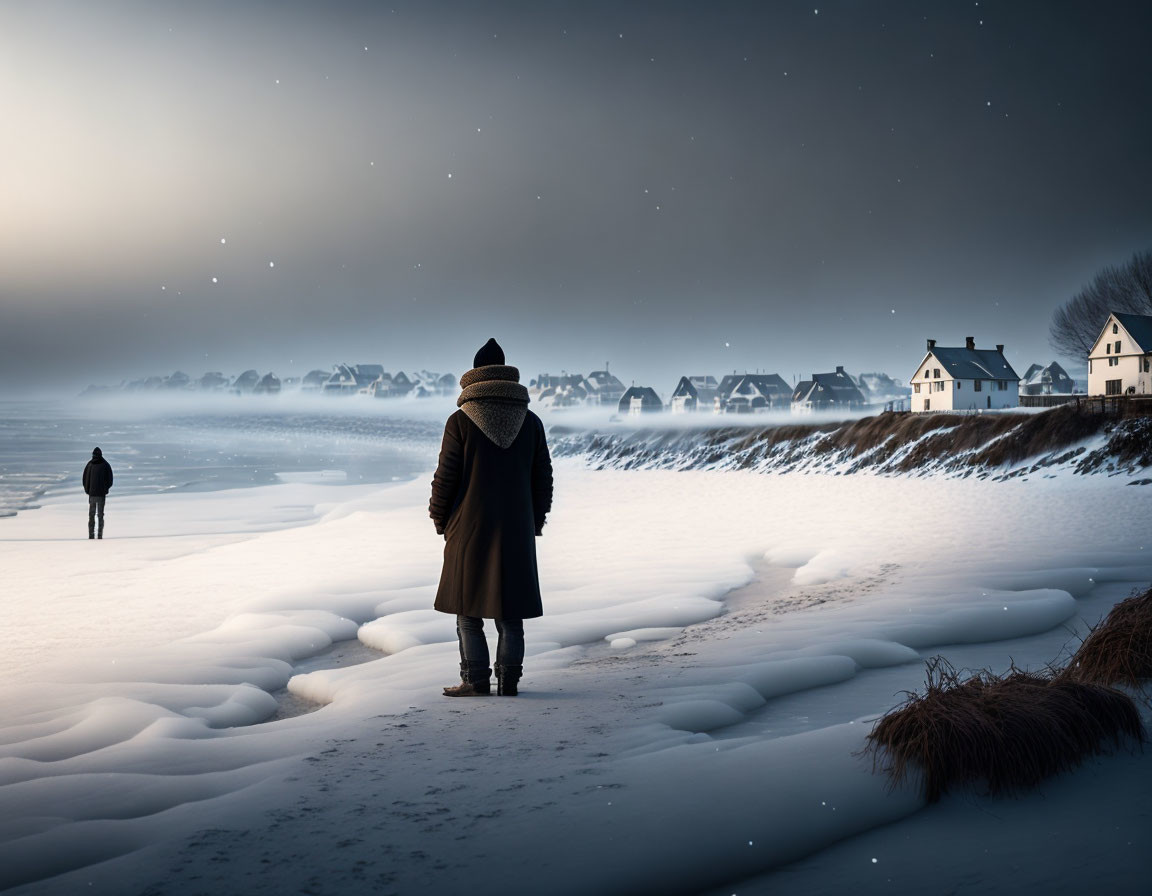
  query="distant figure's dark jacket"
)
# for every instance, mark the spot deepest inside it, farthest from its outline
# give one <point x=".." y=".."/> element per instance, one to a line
<point x="97" y="477"/>
<point x="490" y="501"/>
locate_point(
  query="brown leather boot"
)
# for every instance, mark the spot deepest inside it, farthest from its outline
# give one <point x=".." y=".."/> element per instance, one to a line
<point x="481" y="688"/>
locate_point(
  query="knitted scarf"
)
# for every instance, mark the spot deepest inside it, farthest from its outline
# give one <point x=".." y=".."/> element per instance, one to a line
<point x="494" y="400"/>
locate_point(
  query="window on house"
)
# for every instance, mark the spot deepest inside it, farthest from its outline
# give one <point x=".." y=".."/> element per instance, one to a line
<point x="1113" y="362"/>
<point x="1115" y="328"/>
<point x="1112" y="387"/>
<point x="1147" y="365"/>
<point x="1108" y="348"/>
<point x="916" y="388"/>
<point x="957" y="385"/>
<point x="939" y="386"/>
<point x="1117" y="346"/>
<point x="936" y="373"/>
<point x="978" y="386"/>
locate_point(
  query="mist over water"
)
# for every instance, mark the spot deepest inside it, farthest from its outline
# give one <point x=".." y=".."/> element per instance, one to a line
<point x="178" y="446"/>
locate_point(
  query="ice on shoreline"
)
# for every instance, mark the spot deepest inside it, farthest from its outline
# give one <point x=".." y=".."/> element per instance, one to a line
<point x="208" y="604"/>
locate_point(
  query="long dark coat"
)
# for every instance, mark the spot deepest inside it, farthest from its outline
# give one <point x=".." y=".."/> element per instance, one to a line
<point x="490" y="503"/>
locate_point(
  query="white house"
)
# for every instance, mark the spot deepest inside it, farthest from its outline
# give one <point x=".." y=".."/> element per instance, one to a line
<point x="827" y="391"/>
<point x="640" y="400"/>
<point x="963" y="379"/>
<point x="1120" y="362"/>
<point x="745" y="393"/>
<point x="693" y="393"/>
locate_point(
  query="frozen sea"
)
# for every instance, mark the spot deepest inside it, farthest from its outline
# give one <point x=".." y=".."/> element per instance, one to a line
<point x="184" y="445"/>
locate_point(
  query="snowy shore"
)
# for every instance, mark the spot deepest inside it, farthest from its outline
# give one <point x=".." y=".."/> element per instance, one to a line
<point x="239" y="693"/>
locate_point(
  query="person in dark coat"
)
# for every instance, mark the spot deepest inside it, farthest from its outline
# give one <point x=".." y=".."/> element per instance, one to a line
<point x="97" y="482"/>
<point x="490" y="494"/>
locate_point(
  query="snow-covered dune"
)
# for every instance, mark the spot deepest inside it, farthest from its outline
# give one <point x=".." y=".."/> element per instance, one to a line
<point x="997" y="445"/>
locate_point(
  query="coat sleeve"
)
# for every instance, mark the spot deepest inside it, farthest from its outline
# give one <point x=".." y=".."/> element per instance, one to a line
<point x="446" y="481"/>
<point x="87" y="476"/>
<point x="541" y="480"/>
<point x="109" y="476"/>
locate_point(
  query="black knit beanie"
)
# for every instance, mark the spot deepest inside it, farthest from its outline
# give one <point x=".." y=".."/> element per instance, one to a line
<point x="490" y="353"/>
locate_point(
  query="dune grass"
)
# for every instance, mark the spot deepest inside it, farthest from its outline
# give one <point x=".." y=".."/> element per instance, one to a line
<point x="1010" y="731"/>
<point x="1118" y="650"/>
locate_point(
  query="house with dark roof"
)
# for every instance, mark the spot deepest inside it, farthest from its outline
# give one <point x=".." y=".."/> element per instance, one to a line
<point x="341" y="381"/>
<point x="964" y="379"/>
<point x="694" y="393"/>
<point x="269" y="385"/>
<point x="563" y="391"/>
<point x="402" y="384"/>
<point x="348" y="379"/>
<point x="603" y="387"/>
<point x="640" y="400"/>
<point x="1050" y="380"/>
<point x="212" y="382"/>
<point x="745" y="393"/>
<point x="314" y="380"/>
<point x="835" y="391"/>
<point x="246" y="382"/>
<point x="1120" y="362"/>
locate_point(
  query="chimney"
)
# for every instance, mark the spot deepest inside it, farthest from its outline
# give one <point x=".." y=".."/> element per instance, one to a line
<point x="931" y="344"/>
<point x="969" y="343"/>
<point x="1000" y="348"/>
<point x="840" y="369"/>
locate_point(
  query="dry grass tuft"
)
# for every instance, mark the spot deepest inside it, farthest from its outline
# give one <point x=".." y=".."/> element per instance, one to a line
<point x="1118" y="650"/>
<point x="1011" y="730"/>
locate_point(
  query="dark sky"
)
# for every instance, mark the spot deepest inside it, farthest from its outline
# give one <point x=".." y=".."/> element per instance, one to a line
<point x="672" y="187"/>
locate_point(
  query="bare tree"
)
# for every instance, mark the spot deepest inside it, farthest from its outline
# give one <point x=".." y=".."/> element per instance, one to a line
<point x="1077" y="323"/>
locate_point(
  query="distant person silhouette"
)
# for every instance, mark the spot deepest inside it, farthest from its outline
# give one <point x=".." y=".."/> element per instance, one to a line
<point x="97" y="482"/>
<point x="490" y="494"/>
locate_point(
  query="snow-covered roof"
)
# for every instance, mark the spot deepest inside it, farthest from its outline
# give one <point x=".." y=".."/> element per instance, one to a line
<point x="1053" y="373"/>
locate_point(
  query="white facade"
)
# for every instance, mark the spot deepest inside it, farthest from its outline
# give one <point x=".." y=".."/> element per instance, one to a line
<point x="1117" y="363"/>
<point x="934" y="389"/>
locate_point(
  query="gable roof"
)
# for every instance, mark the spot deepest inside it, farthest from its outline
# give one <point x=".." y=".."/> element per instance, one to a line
<point x="699" y="387"/>
<point x="1139" y="327"/>
<point x="1053" y="373"/>
<point x="602" y="380"/>
<point x="646" y="394"/>
<point x="840" y="385"/>
<point x="769" y="385"/>
<point x="973" y="363"/>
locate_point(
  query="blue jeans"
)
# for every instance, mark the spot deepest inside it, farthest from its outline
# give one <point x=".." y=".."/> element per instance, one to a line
<point x="474" y="646"/>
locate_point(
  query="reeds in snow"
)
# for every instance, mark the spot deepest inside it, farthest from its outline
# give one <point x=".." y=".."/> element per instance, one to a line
<point x="1117" y="651"/>
<point x="1010" y="731"/>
